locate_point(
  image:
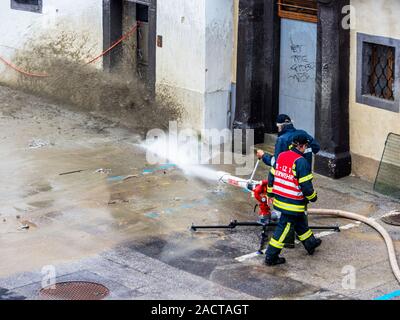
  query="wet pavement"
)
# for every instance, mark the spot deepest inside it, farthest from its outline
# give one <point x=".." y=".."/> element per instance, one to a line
<point x="112" y="218"/>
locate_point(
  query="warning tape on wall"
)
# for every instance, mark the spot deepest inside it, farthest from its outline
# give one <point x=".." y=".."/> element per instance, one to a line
<point x="44" y="75"/>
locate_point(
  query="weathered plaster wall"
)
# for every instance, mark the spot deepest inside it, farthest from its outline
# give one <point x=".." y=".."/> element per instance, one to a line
<point x="181" y="60"/>
<point x="194" y="66"/>
<point x="219" y="56"/>
<point x="71" y="29"/>
<point x="369" y="126"/>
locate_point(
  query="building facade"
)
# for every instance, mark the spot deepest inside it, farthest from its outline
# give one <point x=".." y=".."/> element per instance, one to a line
<point x="375" y="27"/>
<point x="332" y="65"/>
<point x="183" y="49"/>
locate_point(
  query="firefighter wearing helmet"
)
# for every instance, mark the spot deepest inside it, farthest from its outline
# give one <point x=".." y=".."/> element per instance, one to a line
<point x="290" y="184"/>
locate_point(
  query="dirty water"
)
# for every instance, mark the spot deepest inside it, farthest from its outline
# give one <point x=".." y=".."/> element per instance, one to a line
<point x="119" y="97"/>
<point x="86" y="210"/>
<point x="109" y="195"/>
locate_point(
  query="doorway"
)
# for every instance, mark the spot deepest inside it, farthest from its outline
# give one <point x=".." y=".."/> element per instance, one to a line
<point x="298" y="55"/>
<point x="136" y="54"/>
<point x="259" y="66"/>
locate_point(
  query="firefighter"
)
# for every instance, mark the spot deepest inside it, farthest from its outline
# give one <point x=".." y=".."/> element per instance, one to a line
<point x="290" y="184"/>
<point x="286" y="132"/>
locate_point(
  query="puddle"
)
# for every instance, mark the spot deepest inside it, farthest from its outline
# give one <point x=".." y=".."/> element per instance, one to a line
<point x="41" y="204"/>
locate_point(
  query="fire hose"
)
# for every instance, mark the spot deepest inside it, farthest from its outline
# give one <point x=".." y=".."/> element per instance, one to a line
<point x="385" y="235"/>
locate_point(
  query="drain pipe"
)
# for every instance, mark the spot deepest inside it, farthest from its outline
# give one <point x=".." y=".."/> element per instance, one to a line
<point x="373" y="224"/>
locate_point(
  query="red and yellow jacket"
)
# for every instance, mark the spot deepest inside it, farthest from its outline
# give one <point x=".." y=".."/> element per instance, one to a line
<point x="290" y="183"/>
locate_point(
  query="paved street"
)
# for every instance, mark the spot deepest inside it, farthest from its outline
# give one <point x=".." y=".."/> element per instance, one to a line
<point x="114" y="219"/>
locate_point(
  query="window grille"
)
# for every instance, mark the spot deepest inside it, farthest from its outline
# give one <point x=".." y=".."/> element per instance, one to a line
<point x="380" y="68"/>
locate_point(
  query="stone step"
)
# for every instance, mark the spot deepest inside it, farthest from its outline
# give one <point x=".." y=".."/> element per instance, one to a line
<point x="269" y="143"/>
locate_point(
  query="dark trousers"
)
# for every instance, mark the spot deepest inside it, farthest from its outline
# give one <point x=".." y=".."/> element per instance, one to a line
<point x="287" y="225"/>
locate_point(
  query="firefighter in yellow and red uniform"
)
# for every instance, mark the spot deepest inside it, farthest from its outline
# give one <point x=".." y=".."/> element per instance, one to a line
<point x="290" y="184"/>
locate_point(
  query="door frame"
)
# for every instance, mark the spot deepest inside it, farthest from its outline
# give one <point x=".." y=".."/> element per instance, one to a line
<point x="259" y="29"/>
<point x="298" y="114"/>
<point x="112" y="31"/>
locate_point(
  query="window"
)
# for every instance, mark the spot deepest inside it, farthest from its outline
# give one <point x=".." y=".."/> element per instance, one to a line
<point x="305" y="10"/>
<point x="27" y="5"/>
<point x="377" y="67"/>
<point x="142" y="12"/>
<point x="379" y="70"/>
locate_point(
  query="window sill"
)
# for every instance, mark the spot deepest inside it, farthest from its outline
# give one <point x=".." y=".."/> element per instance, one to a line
<point x="380" y="103"/>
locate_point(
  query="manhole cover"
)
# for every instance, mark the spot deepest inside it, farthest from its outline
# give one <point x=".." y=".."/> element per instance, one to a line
<point x="75" y="290"/>
<point x="393" y="219"/>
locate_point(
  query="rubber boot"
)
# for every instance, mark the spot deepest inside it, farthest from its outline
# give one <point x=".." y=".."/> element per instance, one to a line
<point x="274" y="261"/>
<point x="311" y="244"/>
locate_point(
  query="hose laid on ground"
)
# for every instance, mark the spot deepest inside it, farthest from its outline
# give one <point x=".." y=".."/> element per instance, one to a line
<point x="373" y="224"/>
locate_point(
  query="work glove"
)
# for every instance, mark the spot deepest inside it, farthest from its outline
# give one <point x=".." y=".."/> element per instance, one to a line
<point x="312" y="200"/>
<point x="275" y="215"/>
<point x="260" y="154"/>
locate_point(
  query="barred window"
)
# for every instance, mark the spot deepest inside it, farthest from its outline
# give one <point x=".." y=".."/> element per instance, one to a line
<point x="379" y="70"/>
<point x="305" y="10"/>
<point x="378" y="67"/>
<point x="27" y="5"/>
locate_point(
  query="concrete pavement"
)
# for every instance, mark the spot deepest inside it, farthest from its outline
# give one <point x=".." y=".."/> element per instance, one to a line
<point x="133" y="235"/>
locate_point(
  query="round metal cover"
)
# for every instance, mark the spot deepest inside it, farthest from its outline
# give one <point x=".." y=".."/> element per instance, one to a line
<point x="75" y="290"/>
<point x="393" y="219"/>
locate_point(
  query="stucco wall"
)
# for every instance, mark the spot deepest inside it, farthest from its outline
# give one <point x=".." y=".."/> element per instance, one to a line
<point x="194" y="66"/>
<point x="219" y="55"/>
<point x="180" y="62"/>
<point x="72" y="28"/>
<point x="369" y="126"/>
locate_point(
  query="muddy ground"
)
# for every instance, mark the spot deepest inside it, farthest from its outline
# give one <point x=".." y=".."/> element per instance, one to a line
<point x="127" y="226"/>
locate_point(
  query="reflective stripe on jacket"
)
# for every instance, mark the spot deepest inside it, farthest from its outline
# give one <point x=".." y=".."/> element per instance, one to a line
<point x="290" y="183"/>
<point x="285" y="182"/>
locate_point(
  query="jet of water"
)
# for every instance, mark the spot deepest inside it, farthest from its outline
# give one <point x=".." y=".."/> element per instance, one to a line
<point x="191" y="156"/>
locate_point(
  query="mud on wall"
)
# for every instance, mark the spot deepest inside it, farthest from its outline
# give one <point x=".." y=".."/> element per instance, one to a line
<point x="60" y="31"/>
<point x="60" y="42"/>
